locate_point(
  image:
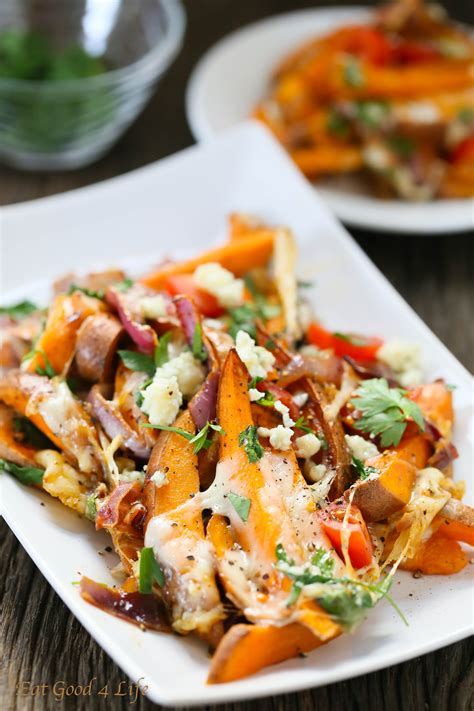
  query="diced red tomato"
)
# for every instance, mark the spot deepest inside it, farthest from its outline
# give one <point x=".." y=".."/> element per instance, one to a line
<point x="409" y="52"/>
<point x="360" y="547"/>
<point x="368" y="43"/>
<point x="464" y="151"/>
<point x="205" y="302"/>
<point x="344" y="344"/>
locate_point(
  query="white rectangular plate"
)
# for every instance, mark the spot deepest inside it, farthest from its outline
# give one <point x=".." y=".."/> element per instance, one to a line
<point x="179" y="204"/>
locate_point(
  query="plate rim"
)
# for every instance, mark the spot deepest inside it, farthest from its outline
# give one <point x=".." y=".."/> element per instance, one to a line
<point x="202" y="131"/>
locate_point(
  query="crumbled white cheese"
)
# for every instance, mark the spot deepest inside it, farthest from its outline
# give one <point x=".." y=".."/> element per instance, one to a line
<point x="307" y="446"/>
<point x="221" y="283"/>
<point x="284" y="412"/>
<point x="404" y="359"/>
<point x="361" y="448"/>
<point x="213" y="323"/>
<point x="162" y="399"/>
<point x="255" y="394"/>
<point x="280" y="436"/>
<point x="315" y="472"/>
<point x="159" y="478"/>
<point x="258" y="360"/>
<point x="300" y="399"/>
<point x="188" y="371"/>
<point x="419" y="112"/>
<point x="377" y="156"/>
<point x="153" y="306"/>
<point x="130" y="476"/>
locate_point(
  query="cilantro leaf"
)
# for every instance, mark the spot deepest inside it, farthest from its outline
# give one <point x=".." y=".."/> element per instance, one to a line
<point x="337" y="124"/>
<point x="48" y="369"/>
<point x="241" y="504"/>
<point x="149" y="572"/>
<point x="385" y="411"/>
<point x="363" y="472"/>
<point x="124" y="285"/>
<point x="30" y="434"/>
<point x="91" y="510"/>
<point x="199" y="351"/>
<point x="161" y="355"/>
<point x="346" y="599"/>
<point x="199" y="440"/>
<point x="87" y="292"/>
<point x="138" y="361"/>
<point x="19" y="311"/>
<point x="27" y="475"/>
<point x="248" y="439"/>
<point x="253" y="383"/>
<point x="353" y="75"/>
<point x="402" y="146"/>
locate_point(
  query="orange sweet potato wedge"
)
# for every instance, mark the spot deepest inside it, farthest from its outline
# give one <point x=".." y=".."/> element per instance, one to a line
<point x="239" y="256"/>
<point x="262" y="530"/>
<point x="246" y="649"/>
<point x="438" y="555"/>
<point x="390" y="491"/>
<point x="190" y="587"/>
<point x="73" y="433"/>
<point x="456" y="521"/>
<point x="58" y="340"/>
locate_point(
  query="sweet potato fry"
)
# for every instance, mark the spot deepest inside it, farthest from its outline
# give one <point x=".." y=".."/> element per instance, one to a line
<point x="239" y="257"/>
<point x="438" y="555"/>
<point x="246" y="649"/>
<point x="178" y="535"/>
<point x="58" y="340"/>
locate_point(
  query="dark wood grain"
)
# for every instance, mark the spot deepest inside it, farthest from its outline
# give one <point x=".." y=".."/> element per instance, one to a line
<point x="41" y="641"/>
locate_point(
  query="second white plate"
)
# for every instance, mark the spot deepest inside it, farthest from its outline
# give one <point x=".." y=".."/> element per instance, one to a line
<point x="233" y="75"/>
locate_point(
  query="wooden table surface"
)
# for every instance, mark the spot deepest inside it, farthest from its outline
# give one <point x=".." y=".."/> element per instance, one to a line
<point x="41" y="642"/>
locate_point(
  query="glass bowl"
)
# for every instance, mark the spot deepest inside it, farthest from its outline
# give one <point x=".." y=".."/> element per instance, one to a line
<point x="67" y="123"/>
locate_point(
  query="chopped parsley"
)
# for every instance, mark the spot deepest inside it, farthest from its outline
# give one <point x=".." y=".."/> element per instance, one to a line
<point x="350" y="338"/>
<point x="372" y="113"/>
<point x="161" y="355"/>
<point x="199" y="351"/>
<point x="27" y="475"/>
<point x="403" y="146"/>
<point x="199" y="440"/>
<point x="363" y="472"/>
<point x="353" y="75"/>
<point x="30" y="433"/>
<point x="338" y="125"/>
<point x="19" y="311"/>
<point x="138" y="361"/>
<point x="248" y="439"/>
<point x="149" y="571"/>
<point x="88" y="292"/>
<point x="124" y="285"/>
<point x="47" y="370"/>
<point x="91" y="510"/>
<point x="303" y="425"/>
<point x="241" y="504"/>
<point x="243" y="318"/>
<point x="385" y="411"/>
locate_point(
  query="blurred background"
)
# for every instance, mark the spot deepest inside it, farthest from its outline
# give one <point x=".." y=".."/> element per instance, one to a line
<point x="162" y="128"/>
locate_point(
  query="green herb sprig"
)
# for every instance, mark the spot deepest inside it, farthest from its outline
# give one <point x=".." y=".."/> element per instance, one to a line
<point x="19" y="311"/>
<point x="241" y="504"/>
<point x="199" y="440"/>
<point x="27" y="475"/>
<point x="248" y="439"/>
<point x="149" y="571"/>
<point x="385" y="411"/>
